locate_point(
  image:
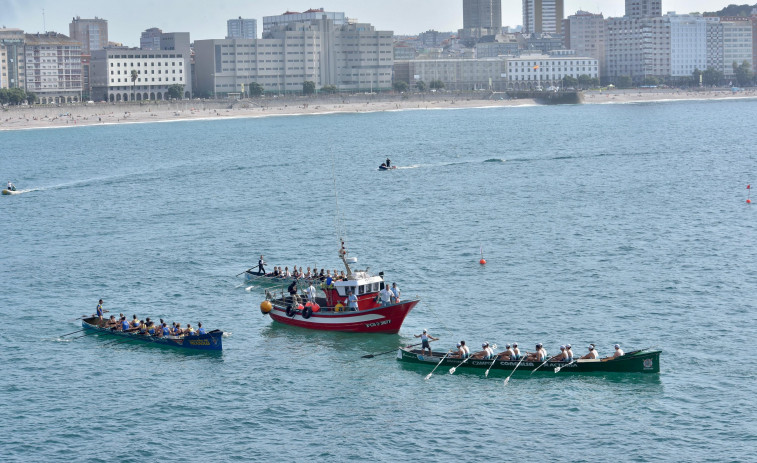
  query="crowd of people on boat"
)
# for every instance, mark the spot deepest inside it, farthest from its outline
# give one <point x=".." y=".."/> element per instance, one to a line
<point x="146" y="326"/>
<point x="513" y="353"/>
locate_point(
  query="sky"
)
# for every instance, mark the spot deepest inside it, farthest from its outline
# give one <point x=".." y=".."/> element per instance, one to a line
<point x="206" y="19"/>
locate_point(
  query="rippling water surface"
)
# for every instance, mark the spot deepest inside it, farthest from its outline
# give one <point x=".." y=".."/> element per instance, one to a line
<point x="603" y="224"/>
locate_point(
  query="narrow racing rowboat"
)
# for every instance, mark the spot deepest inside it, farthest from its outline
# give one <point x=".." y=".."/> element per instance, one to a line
<point x="209" y="341"/>
<point x="643" y="361"/>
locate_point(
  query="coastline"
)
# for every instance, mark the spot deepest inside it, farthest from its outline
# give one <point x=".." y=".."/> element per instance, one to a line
<point x="45" y="117"/>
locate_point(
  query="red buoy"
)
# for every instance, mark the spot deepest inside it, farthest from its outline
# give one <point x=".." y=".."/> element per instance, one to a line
<point x="749" y="201"/>
<point x="482" y="262"/>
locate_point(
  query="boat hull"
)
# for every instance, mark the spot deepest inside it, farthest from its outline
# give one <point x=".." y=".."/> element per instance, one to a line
<point x="10" y="192"/>
<point x="387" y="319"/>
<point x="637" y="362"/>
<point x="212" y="341"/>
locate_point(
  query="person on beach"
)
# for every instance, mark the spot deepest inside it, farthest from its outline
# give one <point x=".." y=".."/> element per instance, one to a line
<point x="261" y="265"/>
<point x="425" y="339"/>
<point x="592" y="354"/>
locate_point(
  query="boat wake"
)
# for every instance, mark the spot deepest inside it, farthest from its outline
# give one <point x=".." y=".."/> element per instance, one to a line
<point x="226" y="334"/>
<point x="414" y="166"/>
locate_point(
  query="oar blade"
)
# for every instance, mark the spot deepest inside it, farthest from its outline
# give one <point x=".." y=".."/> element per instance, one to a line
<point x="557" y="369"/>
<point x="486" y="375"/>
<point x="369" y="356"/>
<point x="452" y="370"/>
<point x="507" y="380"/>
<point x="428" y="376"/>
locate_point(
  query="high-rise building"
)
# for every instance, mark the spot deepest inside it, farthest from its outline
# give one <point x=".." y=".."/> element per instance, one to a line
<point x="150" y="39"/>
<point x="643" y="8"/>
<point x="637" y="48"/>
<point x="92" y="33"/>
<point x="737" y="43"/>
<point x="53" y="67"/>
<point x="688" y="44"/>
<point x="543" y="16"/>
<point x="242" y="28"/>
<point x="585" y="33"/>
<point x="13" y="73"/>
<point x="269" y="22"/>
<point x="483" y="14"/>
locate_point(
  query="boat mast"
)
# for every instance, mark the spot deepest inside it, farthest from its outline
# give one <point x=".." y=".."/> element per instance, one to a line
<point x="343" y="256"/>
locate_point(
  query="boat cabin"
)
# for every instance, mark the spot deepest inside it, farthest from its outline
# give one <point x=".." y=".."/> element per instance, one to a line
<point x="365" y="287"/>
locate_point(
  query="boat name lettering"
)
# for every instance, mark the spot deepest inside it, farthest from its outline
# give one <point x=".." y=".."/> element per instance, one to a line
<point x="383" y="322"/>
<point x="199" y="342"/>
<point x="512" y="364"/>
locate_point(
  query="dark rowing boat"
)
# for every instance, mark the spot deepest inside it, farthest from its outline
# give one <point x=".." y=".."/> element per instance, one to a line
<point x="209" y="341"/>
<point x="643" y="361"/>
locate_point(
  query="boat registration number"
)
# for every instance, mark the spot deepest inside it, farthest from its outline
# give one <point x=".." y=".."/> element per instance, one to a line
<point x="383" y="322"/>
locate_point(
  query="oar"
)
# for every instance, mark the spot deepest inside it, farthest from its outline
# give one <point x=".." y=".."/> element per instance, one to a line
<point x="507" y="380"/>
<point x="84" y="316"/>
<point x="244" y="271"/>
<point x="453" y="369"/>
<point x="496" y="356"/>
<point x="77" y="331"/>
<point x="437" y="365"/>
<point x="545" y="362"/>
<point x="370" y="356"/>
<point x="557" y="369"/>
<point x="77" y="337"/>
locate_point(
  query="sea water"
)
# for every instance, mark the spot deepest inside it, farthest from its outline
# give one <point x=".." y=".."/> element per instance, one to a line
<point x="600" y="224"/>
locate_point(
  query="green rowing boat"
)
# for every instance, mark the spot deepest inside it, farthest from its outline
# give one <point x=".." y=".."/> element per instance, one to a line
<point x="642" y="361"/>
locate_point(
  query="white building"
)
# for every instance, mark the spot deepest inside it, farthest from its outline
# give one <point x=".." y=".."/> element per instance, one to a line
<point x="688" y="44"/>
<point x="461" y="73"/>
<point x="53" y="67"/>
<point x="156" y="71"/>
<point x="351" y="57"/>
<point x="531" y="71"/>
<point x="269" y="22"/>
<point x="242" y="28"/>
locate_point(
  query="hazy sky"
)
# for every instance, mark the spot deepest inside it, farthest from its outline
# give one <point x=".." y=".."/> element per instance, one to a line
<point x="206" y="19"/>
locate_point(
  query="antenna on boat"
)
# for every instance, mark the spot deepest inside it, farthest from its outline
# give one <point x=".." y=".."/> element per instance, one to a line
<point x="337" y="223"/>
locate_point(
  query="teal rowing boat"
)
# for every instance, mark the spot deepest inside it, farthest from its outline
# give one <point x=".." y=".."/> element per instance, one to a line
<point x="641" y="361"/>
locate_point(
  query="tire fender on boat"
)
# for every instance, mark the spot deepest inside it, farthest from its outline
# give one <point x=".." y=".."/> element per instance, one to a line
<point x="307" y="312"/>
<point x="290" y="311"/>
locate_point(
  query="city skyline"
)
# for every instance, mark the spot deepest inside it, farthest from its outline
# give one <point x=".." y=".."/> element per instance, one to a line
<point x="126" y="22"/>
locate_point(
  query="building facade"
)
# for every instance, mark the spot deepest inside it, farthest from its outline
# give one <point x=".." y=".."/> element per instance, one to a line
<point x="156" y="71"/>
<point x="737" y="43"/>
<point x="688" y="44"/>
<point x="637" y="47"/>
<point x="53" y="67"/>
<point x="150" y="39"/>
<point x="643" y="8"/>
<point x="460" y="73"/>
<point x="543" y="16"/>
<point x="92" y="33"/>
<point x="533" y="71"/>
<point x="13" y="74"/>
<point x="501" y="44"/>
<point x="269" y="22"/>
<point x="585" y="33"/>
<point x="483" y="14"/>
<point x="242" y="28"/>
<point x="351" y="57"/>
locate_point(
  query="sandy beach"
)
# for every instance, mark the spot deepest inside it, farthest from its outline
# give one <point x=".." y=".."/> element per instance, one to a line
<point x="36" y="117"/>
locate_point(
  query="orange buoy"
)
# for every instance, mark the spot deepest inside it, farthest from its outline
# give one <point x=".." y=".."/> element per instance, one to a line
<point x="749" y="201"/>
<point x="315" y="307"/>
<point x="265" y="307"/>
<point x="482" y="262"/>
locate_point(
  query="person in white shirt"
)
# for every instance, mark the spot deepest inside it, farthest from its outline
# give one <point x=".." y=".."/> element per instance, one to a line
<point x="352" y="301"/>
<point x="311" y="293"/>
<point x="386" y="297"/>
<point x="618" y="351"/>
<point x="592" y="355"/>
<point x="425" y="339"/>
<point x="508" y="354"/>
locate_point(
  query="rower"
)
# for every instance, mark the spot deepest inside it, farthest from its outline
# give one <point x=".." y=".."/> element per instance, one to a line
<point x="460" y="352"/>
<point x="483" y="353"/>
<point x="539" y="356"/>
<point x="464" y="348"/>
<point x="561" y="357"/>
<point x="124" y="324"/>
<point x="111" y="322"/>
<point x="135" y="321"/>
<point x="516" y="351"/>
<point x="166" y="331"/>
<point x="508" y="354"/>
<point x="189" y="331"/>
<point x="592" y="354"/>
<point x="569" y="351"/>
<point x="618" y="351"/>
<point x="200" y="329"/>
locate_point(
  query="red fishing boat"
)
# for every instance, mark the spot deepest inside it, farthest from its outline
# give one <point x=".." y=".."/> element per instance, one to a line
<point x="331" y="310"/>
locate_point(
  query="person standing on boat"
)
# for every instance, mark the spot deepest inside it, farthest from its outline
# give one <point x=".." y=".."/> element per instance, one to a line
<point x="261" y="265"/>
<point x="388" y="163"/>
<point x="592" y="354"/>
<point x="11" y="186"/>
<point x="618" y="351"/>
<point x="352" y="301"/>
<point x="396" y="293"/>
<point x="100" y="310"/>
<point x="425" y="339"/>
<point x="311" y="292"/>
<point x="386" y="296"/>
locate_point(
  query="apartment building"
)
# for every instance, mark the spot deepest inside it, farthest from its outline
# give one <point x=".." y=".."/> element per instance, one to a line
<point x="53" y="67"/>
